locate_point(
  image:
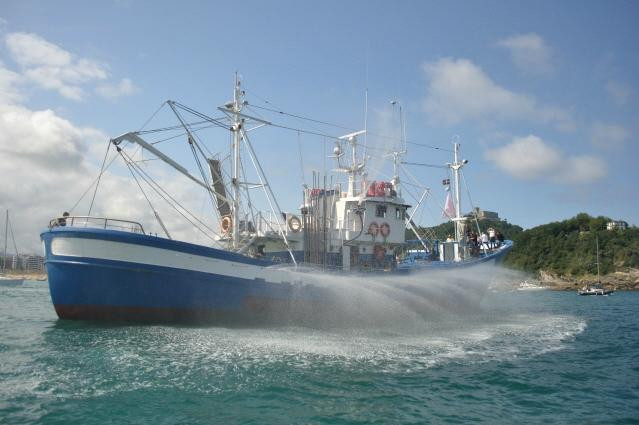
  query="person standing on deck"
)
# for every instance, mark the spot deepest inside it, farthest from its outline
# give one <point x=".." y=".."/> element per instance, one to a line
<point x="484" y="240"/>
<point x="63" y="221"/>
<point x="473" y="244"/>
<point x="491" y="236"/>
<point x="500" y="238"/>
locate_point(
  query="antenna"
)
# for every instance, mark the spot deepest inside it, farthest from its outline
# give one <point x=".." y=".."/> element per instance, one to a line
<point x="366" y="110"/>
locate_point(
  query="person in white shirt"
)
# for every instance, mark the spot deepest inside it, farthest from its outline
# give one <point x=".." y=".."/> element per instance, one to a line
<point x="484" y="240"/>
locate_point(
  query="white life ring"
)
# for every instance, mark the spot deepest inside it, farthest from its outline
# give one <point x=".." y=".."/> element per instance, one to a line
<point x="384" y="229"/>
<point x="294" y="224"/>
<point x="373" y="229"/>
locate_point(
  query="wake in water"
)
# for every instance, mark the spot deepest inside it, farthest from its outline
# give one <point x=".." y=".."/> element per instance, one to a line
<point x="391" y="301"/>
<point x="385" y="333"/>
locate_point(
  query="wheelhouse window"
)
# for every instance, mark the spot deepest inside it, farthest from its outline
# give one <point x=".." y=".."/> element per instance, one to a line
<point x="399" y="213"/>
<point x="380" y="211"/>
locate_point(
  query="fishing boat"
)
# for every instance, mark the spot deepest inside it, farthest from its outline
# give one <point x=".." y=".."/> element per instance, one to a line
<point x="596" y="288"/>
<point x="6" y="280"/>
<point x="258" y="263"/>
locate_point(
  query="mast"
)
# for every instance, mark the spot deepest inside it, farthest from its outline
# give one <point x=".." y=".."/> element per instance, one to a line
<point x="456" y="166"/>
<point x="6" y="233"/>
<point x="235" y="181"/>
<point x="457" y="192"/>
<point x="356" y="167"/>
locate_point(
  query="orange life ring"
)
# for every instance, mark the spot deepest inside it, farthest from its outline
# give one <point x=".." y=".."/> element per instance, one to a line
<point x="384" y="229"/>
<point x="373" y="229"/>
<point x="379" y="252"/>
<point x="227" y="223"/>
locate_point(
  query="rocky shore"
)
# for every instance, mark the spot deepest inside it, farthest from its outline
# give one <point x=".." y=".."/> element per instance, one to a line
<point x="621" y="280"/>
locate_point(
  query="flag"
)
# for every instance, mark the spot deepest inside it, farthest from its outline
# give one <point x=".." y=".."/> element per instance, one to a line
<point x="449" y="207"/>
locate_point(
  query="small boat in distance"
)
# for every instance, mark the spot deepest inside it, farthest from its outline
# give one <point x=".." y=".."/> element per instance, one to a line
<point x="597" y="288"/>
<point x="527" y="286"/>
<point x="4" y="279"/>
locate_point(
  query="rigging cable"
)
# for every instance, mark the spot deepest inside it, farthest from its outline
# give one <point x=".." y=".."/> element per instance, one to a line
<point x="470" y="199"/>
<point x="157" y="188"/>
<point x="91" y="185"/>
<point x="215" y="121"/>
<point x="99" y="177"/>
<point x="280" y="112"/>
<point x="299" y="148"/>
<point x="13" y="238"/>
<point x="192" y="142"/>
<point x="175" y="127"/>
<point x="424" y="165"/>
<point x="152" y="116"/>
<point x="249" y="204"/>
<point x="164" y="195"/>
<point x="157" y="216"/>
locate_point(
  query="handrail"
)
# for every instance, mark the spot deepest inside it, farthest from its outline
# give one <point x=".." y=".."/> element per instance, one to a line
<point x="100" y="222"/>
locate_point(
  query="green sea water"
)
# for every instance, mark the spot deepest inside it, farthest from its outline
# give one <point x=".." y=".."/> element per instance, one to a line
<point x="523" y="357"/>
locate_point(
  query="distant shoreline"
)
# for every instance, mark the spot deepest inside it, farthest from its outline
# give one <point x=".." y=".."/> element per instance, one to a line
<point x="27" y="274"/>
<point x="620" y="281"/>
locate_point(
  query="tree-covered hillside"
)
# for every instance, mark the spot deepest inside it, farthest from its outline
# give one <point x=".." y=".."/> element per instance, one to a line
<point x="569" y="247"/>
<point x="440" y="232"/>
<point x="566" y="248"/>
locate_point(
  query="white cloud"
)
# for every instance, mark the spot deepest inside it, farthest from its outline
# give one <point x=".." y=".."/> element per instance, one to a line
<point x="530" y="158"/>
<point x="618" y="92"/>
<point x="47" y="162"/>
<point x="609" y="136"/>
<point x="112" y="91"/>
<point x="31" y="50"/>
<point x="42" y="138"/>
<point x="582" y="169"/>
<point x="53" y="68"/>
<point x="459" y="90"/>
<point x="529" y="53"/>
<point x="9" y="81"/>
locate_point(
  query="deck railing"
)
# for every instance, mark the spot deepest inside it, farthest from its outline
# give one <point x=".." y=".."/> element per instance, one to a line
<point x="97" y="222"/>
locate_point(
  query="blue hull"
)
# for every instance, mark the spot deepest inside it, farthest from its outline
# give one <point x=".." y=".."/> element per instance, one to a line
<point x="94" y="275"/>
<point x="90" y="288"/>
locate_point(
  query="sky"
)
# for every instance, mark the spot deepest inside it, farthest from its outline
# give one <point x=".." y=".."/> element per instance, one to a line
<point x="542" y="96"/>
